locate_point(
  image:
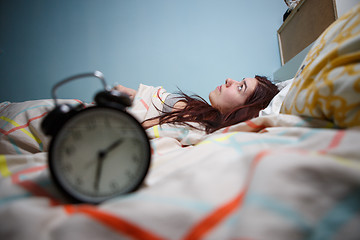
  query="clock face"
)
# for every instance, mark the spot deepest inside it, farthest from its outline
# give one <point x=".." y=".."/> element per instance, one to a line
<point x="98" y="154"/>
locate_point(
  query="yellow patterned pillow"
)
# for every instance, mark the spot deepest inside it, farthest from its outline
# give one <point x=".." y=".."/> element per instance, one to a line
<point x="327" y="85"/>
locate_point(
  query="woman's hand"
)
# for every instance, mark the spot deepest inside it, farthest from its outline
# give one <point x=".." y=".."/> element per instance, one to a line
<point x="128" y="91"/>
<point x="150" y="123"/>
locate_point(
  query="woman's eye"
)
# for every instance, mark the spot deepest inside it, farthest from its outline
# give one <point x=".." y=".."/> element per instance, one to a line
<point x="239" y="88"/>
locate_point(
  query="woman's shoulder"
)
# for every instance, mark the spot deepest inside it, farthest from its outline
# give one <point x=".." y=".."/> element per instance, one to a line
<point x="172" y="101"/>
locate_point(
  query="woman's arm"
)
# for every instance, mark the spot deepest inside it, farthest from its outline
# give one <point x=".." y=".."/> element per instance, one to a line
<point x="177" y="106"/>
<point x="128" y="91"/>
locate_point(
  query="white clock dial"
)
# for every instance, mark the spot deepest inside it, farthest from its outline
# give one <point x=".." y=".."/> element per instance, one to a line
<point x="100" y="153"/>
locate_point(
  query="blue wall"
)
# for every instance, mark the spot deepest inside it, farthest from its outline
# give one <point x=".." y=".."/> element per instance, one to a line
<point x="191" y="44"/>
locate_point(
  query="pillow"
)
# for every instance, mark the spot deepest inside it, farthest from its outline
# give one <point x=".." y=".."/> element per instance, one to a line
<point x="275" y="104"/>
<point x="327" y="85"/>
<point x="20" y="131"/>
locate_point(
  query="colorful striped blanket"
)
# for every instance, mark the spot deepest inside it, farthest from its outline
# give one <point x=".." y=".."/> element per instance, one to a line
<point x="272" y="177"/>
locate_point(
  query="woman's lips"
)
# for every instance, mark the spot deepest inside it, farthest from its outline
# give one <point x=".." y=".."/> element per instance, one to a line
<point x="219" y="88"/>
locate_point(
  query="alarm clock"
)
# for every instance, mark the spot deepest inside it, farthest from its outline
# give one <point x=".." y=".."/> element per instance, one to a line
<point x="98" y="152"/>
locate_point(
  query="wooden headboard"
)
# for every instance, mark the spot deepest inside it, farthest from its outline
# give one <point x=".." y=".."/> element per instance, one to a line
<point x="305" y="23"/>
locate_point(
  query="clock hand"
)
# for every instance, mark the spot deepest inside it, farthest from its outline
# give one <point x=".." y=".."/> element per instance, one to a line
<point x="103" y="153"/>
<point x="98" y="172"/>
<point x="101" y="156"/>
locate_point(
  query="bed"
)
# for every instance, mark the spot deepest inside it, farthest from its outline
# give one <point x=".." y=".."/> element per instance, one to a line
<point x="291" y="173"/>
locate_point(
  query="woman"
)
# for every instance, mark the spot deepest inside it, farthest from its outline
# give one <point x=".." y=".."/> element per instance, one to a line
<point x="230" y="103"/>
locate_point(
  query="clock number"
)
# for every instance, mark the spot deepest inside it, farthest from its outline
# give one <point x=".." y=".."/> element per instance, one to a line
<point x="107" y="122"/>
<point x="78" y="181"/>
<point x="130" y="175"/>
<point x="114" y="185"/>
<point x="76" y="134"/>
<point x="67" y="167"/>
<point x="136" y="159"/>
<point x="91" y="125"/>
<point x="69" y="150"/>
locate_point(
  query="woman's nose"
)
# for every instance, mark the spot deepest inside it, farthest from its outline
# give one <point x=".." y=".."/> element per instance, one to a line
<point x="229" y="82"/>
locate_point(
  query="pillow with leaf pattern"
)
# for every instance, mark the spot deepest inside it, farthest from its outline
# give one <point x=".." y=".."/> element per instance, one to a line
<point x="327" y="85"/>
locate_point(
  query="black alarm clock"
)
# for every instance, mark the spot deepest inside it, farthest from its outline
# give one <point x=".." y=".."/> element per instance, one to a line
<point x="98" y="152"/>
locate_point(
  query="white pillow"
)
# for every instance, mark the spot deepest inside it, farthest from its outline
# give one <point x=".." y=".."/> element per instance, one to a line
<point x="275" y="104"/>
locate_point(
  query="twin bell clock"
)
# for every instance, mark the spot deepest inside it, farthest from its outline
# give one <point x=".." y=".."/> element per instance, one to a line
<point x="98" y="152"/>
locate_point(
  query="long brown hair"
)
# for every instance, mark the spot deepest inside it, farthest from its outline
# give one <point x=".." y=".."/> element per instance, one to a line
<point x="197" y="110"/>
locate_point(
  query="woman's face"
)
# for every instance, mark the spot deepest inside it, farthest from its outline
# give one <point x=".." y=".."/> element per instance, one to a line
<point x="232" y="94"/>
